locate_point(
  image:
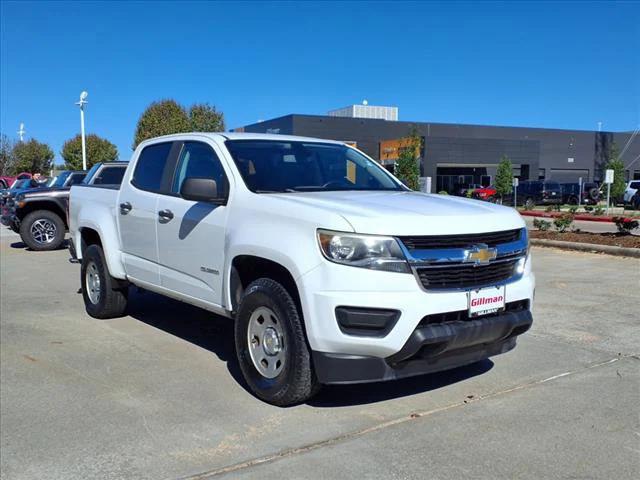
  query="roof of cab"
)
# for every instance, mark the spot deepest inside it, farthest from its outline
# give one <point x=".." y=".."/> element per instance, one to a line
<point x="245" y="136"/>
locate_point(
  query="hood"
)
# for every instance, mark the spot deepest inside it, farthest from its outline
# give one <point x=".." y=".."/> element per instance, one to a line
<point x="45" y="191"/>
<point x="410" y="213"/>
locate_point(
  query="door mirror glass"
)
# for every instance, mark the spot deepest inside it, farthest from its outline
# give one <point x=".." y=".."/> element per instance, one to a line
<point x="200" y="190"/>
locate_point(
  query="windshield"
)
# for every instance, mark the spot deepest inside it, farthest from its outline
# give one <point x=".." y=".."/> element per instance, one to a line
<point x="91" y="173"/>
<point x="270" y="166"/>
<point x="19" y="184"/>
<point x="59" y="180"/>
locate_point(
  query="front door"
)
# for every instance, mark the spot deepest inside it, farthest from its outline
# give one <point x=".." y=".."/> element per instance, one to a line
<point x="191" y="235"/>
<point x="138" y="214"/>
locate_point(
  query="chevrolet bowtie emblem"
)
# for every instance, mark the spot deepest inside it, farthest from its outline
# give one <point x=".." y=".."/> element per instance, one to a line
<point x="481" y="255"/>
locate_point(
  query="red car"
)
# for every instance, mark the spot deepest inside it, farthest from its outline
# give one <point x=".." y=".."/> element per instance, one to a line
<point x="485" y="193"/>
<point x="6" y="182"/>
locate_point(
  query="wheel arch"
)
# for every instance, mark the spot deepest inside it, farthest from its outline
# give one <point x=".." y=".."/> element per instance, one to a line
<point x="250" y="267"/>
<point x="104" y="235"/>
<point x="50" y="206"/>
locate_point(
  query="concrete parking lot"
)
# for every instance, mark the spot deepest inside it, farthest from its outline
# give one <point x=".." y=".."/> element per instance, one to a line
<point x="158" y="394"/>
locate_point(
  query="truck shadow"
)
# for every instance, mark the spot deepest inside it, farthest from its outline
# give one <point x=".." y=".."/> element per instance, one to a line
<point x="215" y="334"/>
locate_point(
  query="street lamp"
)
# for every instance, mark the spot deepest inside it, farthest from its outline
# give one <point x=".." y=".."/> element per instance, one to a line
<point x="81" y="103"/>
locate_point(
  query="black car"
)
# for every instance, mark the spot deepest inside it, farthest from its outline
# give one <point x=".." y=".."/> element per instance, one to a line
<point x="571" y="193"/>
<point x="40" y="215"/>
<point x="536" y="192"/>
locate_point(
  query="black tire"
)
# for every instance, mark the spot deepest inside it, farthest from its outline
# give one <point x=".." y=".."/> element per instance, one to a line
<point x="573" y="200"/>
<point x="529" y="203"/>
<point x="492" y="200"/>
<point x="296" y="382"/>
<point x="113" y="294"/>
<point x="39" y="224"/>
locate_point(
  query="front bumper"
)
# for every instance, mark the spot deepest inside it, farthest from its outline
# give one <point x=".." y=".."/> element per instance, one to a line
<point x="10" y="220"/>
<point x="430" y="348"/>
<point x="359" y="288"/>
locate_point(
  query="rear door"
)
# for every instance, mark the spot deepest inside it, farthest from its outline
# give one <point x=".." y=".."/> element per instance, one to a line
<point x="137" y="210"/>
<point x="191" y="235"/>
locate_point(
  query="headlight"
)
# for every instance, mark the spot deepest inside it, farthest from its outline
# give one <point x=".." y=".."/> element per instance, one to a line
<point x="365" y="251"/>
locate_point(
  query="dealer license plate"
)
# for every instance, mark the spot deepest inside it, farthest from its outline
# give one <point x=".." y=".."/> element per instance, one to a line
<point x="486" y="301"/>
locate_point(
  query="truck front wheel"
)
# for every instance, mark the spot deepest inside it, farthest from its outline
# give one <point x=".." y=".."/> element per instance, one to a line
<point x="103" y="295"/>
<point x="42" y="230"/>
<point x="271" y="345"/>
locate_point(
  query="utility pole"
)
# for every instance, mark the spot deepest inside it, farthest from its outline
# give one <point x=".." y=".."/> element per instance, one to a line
<point x="21" y="132"/>
<point x="81" y="104"/>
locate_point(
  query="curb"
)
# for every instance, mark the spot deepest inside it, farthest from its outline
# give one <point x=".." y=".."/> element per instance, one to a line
<point x="586" y="218"/>
<point x="587" y="247"/>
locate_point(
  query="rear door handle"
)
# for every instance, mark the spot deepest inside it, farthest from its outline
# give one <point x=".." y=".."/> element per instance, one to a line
<point x="165" y="216"/>
<point x="125" y="208"/>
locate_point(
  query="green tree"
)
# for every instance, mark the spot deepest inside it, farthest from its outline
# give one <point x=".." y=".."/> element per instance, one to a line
<point x="617" y="165"/>
<point x="32" y="157"/>
<point x="7" y="157"/>
<point x="161" y="118"/>
<point x="504" y="177"/>
<point x="98" y="150"/>
<point x="407" y="166"/>
<point x="205" y="118"/>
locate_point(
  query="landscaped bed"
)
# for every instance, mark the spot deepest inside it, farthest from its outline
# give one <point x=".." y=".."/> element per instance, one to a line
<point x="613" y="239"/>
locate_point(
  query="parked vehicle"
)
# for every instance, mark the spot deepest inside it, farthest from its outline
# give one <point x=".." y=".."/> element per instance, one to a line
<point x="488" y="194"/>
<point x="571" y="193"/>
<point x="333" y="271"/>
<point x="8" y="181"/>
<point x="536" y="192"/>
<point x="40" y="215"/>
<point x="464" y="191"/>
<point x="635" y="200"/>
<point x="632" y="188"/>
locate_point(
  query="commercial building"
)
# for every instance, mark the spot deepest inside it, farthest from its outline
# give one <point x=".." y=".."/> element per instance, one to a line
<point x="456" y="155"/>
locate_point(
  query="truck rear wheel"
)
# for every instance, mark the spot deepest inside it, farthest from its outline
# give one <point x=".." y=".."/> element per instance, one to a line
<point x="42" y="230"/>
<point x="103" y="295"/>
<point x="271" y="345"/>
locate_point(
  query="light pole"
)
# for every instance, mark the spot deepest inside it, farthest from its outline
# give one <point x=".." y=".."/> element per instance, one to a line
<point x="81" y="103"/>
<point x="21" y="132"/>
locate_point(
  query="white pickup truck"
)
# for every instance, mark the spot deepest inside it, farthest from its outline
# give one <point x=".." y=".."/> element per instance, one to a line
<point x="331" y="269"/>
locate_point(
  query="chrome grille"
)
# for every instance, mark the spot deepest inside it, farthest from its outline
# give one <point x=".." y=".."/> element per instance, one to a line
<point x="460" y="241"/>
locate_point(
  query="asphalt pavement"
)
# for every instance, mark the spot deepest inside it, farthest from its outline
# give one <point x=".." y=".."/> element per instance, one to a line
<point x="158" y="394"/>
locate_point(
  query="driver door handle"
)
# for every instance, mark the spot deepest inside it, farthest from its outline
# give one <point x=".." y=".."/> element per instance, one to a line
<point x="165" y="216"/>
<point x="125" y="208"/>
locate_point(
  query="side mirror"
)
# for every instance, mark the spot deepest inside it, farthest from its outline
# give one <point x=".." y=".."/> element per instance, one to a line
<point x="201" y="190"/>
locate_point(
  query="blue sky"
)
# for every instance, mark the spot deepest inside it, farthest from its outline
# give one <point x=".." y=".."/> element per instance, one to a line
<point x="564" y="65"/>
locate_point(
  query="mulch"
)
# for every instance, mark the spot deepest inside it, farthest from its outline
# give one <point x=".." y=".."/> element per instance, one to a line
<point x="614" y="239"/>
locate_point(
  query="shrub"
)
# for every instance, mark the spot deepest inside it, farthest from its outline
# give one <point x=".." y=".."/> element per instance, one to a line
<point x="541" y="225"/>
<point x="549" y="208"/>
<point x="408" y="164"/>
<point x="442" y="192"/>
<point x="598" y="210"/>
<point x="563" y="222"/>
<point x="588" y="208"/>
<point x="625" y="224"/>
<point x="573" y="209"/>
<point x="98" y="150"/>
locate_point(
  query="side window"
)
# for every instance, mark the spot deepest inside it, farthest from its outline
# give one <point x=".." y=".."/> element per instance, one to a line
<point x="198" y="160"/>
<point x="76" y="178"/>
<point x="150" y="167"/>
<point x="110" y="176"/>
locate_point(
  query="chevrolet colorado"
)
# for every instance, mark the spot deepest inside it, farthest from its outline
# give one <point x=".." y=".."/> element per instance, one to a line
<point x="332" y="270"/>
